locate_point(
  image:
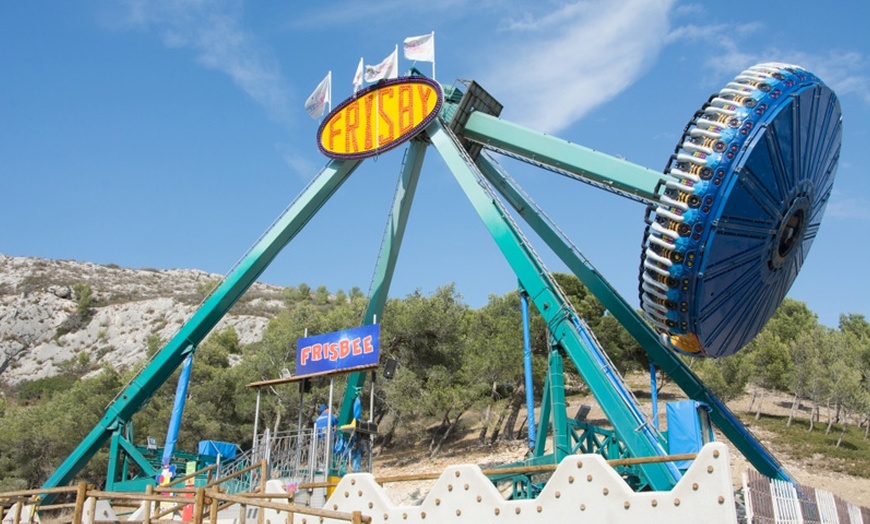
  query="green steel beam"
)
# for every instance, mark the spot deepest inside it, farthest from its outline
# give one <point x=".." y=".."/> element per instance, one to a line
<point x="543" y="420"/>
<point x="389" y="254"/>
<point x="558" y="314"/>
<point x="601" y="169"/>
<point x="145" y="468"/>
<point x="114" y="460"/>
<point x="665" y="359"/>
<point x="167" y="360"/>
<point x="561" y="436"/>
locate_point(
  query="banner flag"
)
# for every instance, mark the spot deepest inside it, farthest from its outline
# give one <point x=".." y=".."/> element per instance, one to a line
<point x="358" y="77"/>
<point x="389" y="68"/>
<point x="317" y="102"/>
<point x="339" y="350"/>
<point x="420" y="48"/>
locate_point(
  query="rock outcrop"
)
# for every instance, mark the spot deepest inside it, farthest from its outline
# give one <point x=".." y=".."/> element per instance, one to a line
<point x="54" y="311"/>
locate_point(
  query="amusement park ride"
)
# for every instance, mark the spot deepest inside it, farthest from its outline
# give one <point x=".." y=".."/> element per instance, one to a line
<point x="728" y="226"/>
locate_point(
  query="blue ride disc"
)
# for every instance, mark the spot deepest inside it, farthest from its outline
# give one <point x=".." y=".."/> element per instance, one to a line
<point x="750" y="179"/>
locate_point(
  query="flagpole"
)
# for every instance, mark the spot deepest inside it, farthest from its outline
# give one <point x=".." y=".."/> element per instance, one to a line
<point x="433" y="55"/>
<point x="360" y="72"/>
<point x="330" y="91"/>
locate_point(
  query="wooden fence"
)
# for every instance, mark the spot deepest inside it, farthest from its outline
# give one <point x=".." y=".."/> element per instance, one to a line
<point x="159" y="504"/>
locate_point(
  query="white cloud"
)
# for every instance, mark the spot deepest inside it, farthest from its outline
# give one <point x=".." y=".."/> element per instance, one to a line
<point x="552" y="69"/>
<point x="213" y="30"/>
<point x="846" y="72"/>
<point x="303" y="165"/>
<point x="847" y="207"/>
<point x="372" y="14"/>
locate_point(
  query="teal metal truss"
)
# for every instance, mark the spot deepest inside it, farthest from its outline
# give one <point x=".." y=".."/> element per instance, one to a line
<point x="468" y="124"/>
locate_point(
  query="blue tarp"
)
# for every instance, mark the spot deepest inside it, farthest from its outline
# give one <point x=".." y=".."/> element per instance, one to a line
<point x="213" y="448"/>
<point x="685" y="432"/>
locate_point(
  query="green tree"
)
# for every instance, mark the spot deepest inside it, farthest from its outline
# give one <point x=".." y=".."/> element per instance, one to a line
<point x="31" y="446"/>
<point x="428" y="336"/>
<point x="205" y="287"/>
<point x="805" y="351"/>
<point x="153" y="344"/>
<point x="771" y="365"/>
<point x="627" y="355"/>
<point x="495" y="362"/>
<point x="321" y="296"/>
<point x="791" y="318"/>
<point x="726" y="377"/>
<point x="585" y="303"/>
<point x="304" y="292"/>
<point x="856" y="324"/>
<point x="625" y="352"/>
<point x="846" y="392"/>
<point x="84" y="298"/>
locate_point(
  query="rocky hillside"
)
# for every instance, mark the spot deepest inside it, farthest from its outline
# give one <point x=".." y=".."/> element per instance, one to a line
<point x="52" y="312"/>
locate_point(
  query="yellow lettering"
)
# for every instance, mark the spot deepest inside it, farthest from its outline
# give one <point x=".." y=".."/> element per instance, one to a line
<point x="424" y="91"/>
<point x="406" y="108"/>
<point x="378" y="119"/>
<point x="370" y="98"/>
<point x="333" y="132"/>
<point x="385" y="118"/>
<point x="352" y="110"/>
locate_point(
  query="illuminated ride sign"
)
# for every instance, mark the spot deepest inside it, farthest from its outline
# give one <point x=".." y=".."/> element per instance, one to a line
<point x="338" y="351"/>
<point x="379" y="118"/>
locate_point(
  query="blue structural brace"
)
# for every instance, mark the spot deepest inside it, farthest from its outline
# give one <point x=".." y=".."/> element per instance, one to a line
<point x="177" y="410"/>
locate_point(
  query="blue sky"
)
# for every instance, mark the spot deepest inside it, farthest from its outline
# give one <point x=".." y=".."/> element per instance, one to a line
<point x="170" y="134"/>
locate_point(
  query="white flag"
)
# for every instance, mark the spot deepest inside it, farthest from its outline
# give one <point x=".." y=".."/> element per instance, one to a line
<point x="358" y="77"/>
<point x="389" y="68"/>
<point x="420" y="48"/>
<point x="316" y="103"/>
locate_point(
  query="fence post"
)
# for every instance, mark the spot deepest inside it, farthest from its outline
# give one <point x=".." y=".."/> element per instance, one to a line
<point x="16" y="512"/>
<point x="264" y="466"/>
<point x="261" y="511"/>
<point x="93" y="510"/>
<point x="81" y="494"/>
<point x="198" y="503"/>
<point x="146" y="514"/>
<point x="214" y="507"/>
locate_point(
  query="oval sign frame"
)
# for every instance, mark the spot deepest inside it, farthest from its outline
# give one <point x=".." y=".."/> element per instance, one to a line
<point x="371" y="94"/>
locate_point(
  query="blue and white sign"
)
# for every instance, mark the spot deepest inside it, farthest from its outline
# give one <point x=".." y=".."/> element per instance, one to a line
<point x="340" y="350"/>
